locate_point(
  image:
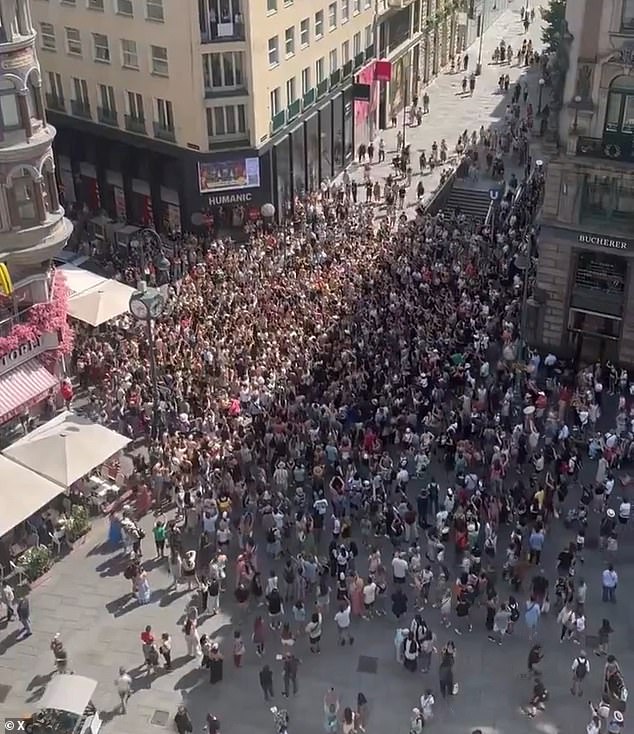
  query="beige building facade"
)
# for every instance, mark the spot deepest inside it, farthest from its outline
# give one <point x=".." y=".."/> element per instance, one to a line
<point x="173" y="108"/>
<point x="585" y="283"/>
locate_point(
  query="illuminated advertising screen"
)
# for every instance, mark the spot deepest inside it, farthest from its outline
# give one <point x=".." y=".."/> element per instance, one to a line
<point x="241" y="173"/>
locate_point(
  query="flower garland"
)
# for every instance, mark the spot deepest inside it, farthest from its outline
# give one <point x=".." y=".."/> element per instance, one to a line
<point x="48" y="317"/>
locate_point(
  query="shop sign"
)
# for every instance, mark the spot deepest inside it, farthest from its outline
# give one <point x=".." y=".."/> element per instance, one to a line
<point x="27" y="351"/>
<point x="220" y="199"/>
<point x="18" y="59"/>
<point x="383" y="71"/>
<point x="611" y="243"/>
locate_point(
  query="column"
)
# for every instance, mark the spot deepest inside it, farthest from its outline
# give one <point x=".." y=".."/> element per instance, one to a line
<point x="38" y="192"/>
<point x="25" y="114"/>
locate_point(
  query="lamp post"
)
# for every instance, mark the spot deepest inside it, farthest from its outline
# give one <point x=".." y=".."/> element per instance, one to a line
<point x="478" y="69"/>
<point x="577" y="101"/>
<point x="522" y="262"/>
<point x="147" y="235"/>
<point x="146" y="305"/>
<point x="542" y="81"/>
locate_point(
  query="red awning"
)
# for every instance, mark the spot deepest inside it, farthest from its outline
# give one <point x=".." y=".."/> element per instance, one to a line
<point x="23" y="387"/>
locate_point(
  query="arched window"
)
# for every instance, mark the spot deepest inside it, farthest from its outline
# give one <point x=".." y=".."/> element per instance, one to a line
<point x="22" y="194"/>
<point x="9" y="111"/>
<point x="627" y="15"/>
<point x="619" y="116"/>
<point x="34" y="98"/>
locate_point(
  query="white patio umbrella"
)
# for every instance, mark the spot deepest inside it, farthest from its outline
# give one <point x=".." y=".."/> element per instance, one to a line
<point x="101" y="303"/>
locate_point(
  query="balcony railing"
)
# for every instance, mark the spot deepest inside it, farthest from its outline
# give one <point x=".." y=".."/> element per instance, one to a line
<point x="293" y="109"/>
<point x="53" y="102"/>
<point x="80" y="109"/>
<point x="168" y="134"/>
<point x="335" y="78"/>
<point x="107" y="116"/>
<point x="347" y="69"/>
<point x="278" y="121"/>
<point x="222" y="32"/>
<point x="612" y="147"/>
<point x="309" y="97"/>
<point x="135" y="124"/>
<point x="322" y="88"/>
<point x="359" y="60"/>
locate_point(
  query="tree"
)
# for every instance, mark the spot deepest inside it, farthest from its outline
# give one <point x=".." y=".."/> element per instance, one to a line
<point x="554" y="16"/>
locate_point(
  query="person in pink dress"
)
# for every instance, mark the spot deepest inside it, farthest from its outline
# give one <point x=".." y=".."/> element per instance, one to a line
<point x="355" y="594"/>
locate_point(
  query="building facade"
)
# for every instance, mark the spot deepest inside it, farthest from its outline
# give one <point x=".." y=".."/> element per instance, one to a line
<point x="33" y="227"/>
<point x="585" y="283"/>
<point x="168" y="109"/>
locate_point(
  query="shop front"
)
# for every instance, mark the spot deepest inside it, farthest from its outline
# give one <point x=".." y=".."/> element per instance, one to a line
<point x="365" y="110"/>
<point x="588" y="296"/>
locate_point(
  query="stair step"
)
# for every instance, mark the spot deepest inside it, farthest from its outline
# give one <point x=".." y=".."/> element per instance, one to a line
<point x="474" y="203"/>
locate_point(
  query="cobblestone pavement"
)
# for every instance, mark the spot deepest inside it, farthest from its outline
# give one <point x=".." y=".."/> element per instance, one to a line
<point x="451" y="111"/>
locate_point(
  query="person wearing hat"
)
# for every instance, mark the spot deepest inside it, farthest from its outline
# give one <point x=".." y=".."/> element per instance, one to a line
<point x="616" y="724"/>
<point x="416" y="723"/>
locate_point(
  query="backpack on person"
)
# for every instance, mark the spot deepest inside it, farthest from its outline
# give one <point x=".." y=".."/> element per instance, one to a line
<point x="581" y="668"/>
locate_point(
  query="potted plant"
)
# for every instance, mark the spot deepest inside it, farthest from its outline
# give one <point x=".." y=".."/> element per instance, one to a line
<point x="78" y="523"/>
<point x="36" y="561"/>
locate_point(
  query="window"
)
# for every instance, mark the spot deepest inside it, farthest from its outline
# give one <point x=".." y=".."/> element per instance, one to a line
<point x="227" y="120"/>
<point x="47" y="34"/>
<point x="73" y="41"/>
<point x="320" y="70"/>
<point x="274" y="54"/>
<point x="160" y="67"/>
<point x="69" y="2"/>
<point x="305" y="80"/>
<point x="129" y="55"/>
<point x="276" y="102"/>
<point x="289" y="41"/>
<point x="9" y="106"/>
<point x="356" y="43"/>
<point x="627" y="15"/>
<point x="332" y="16"/>
<point x="345" y="52"/>
<point x="23" y="194"/>
<point x="291" y="91"/>
<point x="164" y="114"/>
<point x="304" y="33"/>
<point x="332" y="60"/>
<point x="619" y="116"/>
<point x="271" y="6"/>
<point x="95" y="5"/>
<point x="369" y="36"/>
<point x="223" y="70"/>
<point x="124" y="7"/>
<point x="345" y="11"/>
<point x="154" y="10"/>
<point x="80" y="92"/>
<point x="287" y="3"/>
<point x="319" y="24"/>
<point x="356" y="6"/>
<point x="107" y="99"/>
<point x="134" y="105"/>
<point x="101" y="47"/>
<point x="368" y="4"/>
<point x="54" y="84"/>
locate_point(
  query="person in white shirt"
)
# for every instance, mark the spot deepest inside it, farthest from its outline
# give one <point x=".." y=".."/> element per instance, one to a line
<point x="427" y="702"/>
<point x="625" y="509"/>
<point x="609" y="581"/>
<point x="399" y="569"/>
<point x="123" y="685"/>
<point x="369" y="598"/>
<point x="342" y="620"/>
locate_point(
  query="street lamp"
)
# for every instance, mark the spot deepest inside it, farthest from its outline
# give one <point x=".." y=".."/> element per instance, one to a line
<point x="478" y="69"/>
<point x="522" y="262"/>
<point x="577" y="101"/>
<point x="147" y="235"/>
<point x="146" y="305"/>
<point x="542" y="81"/>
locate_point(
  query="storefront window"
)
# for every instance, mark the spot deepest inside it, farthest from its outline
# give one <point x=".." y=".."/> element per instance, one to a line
<point x="312" y="153"/>
<point x="619" y="116"/>
<point x="283" y="171"/>
<point x="299" y="161"/>
<point x="325" y="129"/>
<point x="337" y="128"/>
<point x="348" y="126"/>
<point x="599" y="283"/>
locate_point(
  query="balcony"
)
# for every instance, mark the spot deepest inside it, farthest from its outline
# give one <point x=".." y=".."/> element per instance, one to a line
<point x="335" y="78"/>
<point x="135" y="124"/>
<point x="222" y="32"/>
<point x="293" y="110"/>
<point x="161" y="132"/>
<point x="359" y="60"/>
<point x="398" y="3"/>
<point x="107" y="116"/>
<point x="278" y="121"/>
<point x="80" y="109"/>
<point x="612" y="147"/>
<point x="53" y="102"/>
<point x="322" y="88"/>
<point x="347" y="69"/>
<point x="369" y="52"/>
<point x="215" y="92"/>
<point x="309" y="98"/>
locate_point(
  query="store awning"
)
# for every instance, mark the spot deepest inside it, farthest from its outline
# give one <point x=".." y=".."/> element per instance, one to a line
<point x="23" y="387"/>
<point x="66" y="448"/>
<point x="102" y="303"/>
<point x="79" y="280"/>
<point x="22" y="493"/>
<point x="70" y="693"/>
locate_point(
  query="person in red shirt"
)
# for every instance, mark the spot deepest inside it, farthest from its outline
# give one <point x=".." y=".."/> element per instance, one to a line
<point x="147" y="638"/>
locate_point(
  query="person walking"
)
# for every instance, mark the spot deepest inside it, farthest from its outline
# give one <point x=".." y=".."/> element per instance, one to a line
<point x="183" y="721"/>
<point x="603" y="636"/>
<point x="445" y="670"/>
<point x="159" y="531"/>
<point x="8" y="599"/>
<point x="290" y="666"/>
<point x="123" y="684"/>
<point x="342" y="620"/>
<point x="580" y="669"/>
<point x="425" y="104"/>
<point x="266" y="682"/>
<point x="165" y="649"/>
<point x="24" y="615"/>
<point x="609" y="582"/>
